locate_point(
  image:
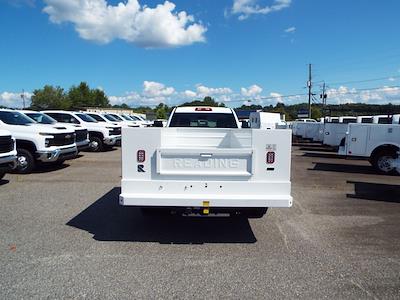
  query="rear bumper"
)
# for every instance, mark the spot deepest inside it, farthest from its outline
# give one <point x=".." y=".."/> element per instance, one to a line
<point x="195" y="193"/>
<point x="157" y="200"/>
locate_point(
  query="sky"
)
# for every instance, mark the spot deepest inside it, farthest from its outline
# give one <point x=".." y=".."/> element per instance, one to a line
<point x="236" y="51"/>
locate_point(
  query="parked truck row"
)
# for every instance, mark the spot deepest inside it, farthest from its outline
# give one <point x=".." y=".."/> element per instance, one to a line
<point x="375" y="138"/>
<point x="29" y="138"/>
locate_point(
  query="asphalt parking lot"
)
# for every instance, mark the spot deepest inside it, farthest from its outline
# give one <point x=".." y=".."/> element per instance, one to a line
<point x="63" y="235"/>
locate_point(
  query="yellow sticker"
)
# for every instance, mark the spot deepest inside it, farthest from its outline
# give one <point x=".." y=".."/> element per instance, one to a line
<point x="206" y="203"/>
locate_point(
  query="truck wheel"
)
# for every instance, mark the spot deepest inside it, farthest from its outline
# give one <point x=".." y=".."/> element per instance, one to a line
<point x="383" y="161"/>
<point x="2" y="173"/>
<point x="25" y="161"/>
<point x="96" y="144"/>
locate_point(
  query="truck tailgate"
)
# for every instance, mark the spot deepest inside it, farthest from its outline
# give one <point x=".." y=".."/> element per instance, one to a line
<point x="190" y="166"/>
<point x="205" y="162"/>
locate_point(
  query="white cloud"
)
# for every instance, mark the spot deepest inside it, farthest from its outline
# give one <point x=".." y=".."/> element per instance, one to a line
<point x="157" y="27"/>
<point x="290" y="29"/>
<point x="381" y="95"/>
<point x="252" y="91"/>
<point x="277" y="97"/>
<point x="246" y="8"/>
<point x="14" y="100"/>
<point x="189" y="94"/>
<point x="203" y="91"/>
<point x="152" y="89"/>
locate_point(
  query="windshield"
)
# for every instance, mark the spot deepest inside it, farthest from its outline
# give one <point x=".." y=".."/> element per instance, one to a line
<point x="203" y="120"/>
<point x="111" y="118"/>
<point x="86" y="118"/>
<point x="126" y="118"/>
<point x="117" y="117"/>
<point x="349" y="120"/>
<point x="41" y="118"/>
<point x="136" y="118"/>
<point x="366" y="120"/>
<point x="15" y="118"/>
<point x="96" y="117"/>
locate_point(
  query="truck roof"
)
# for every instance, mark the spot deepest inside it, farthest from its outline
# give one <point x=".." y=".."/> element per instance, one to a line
<point x="203" y="109"/>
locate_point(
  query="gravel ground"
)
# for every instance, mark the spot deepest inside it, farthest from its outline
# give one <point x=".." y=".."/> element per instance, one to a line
<point x="63" y="235"/>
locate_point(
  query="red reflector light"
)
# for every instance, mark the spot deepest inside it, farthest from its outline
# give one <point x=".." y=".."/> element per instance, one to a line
<point x="141" y="156"/>
<point x="203" y="109"/>
<point x="270" y="157"/>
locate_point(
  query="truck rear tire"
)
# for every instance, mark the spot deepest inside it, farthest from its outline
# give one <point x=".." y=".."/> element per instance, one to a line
<point x="95" y="144"/>
<point x="25" y="161"/>
<point x="382" y="161"/>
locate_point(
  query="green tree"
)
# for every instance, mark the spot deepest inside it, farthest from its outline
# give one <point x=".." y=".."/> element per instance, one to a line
<point x="161" y="111"/>
<point x="50" y="97"/>
<point x="83" y="96"/>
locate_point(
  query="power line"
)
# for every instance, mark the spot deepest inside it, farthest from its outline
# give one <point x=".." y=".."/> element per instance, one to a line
<point x="365" y="80"/>
<point x="358" y="91"/>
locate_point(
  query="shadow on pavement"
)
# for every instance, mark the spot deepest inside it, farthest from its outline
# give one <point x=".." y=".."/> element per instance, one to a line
<point x="356" y="169"/>
<point x="318" y="148"/>
<point x="4" y="181"/>
<point x="375" y="191"/>
<point x="49" y="167"/>
<point x="323" y="155"/>
<point x="108" y="221"/>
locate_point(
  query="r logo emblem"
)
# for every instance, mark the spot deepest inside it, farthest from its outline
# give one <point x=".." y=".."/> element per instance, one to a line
<point x="140" y="169"/>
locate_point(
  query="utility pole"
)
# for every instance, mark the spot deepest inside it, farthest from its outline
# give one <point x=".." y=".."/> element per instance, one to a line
<point x="323" y="96"/>
<point x="23" y="98"/>
<point x="309" y="85"/>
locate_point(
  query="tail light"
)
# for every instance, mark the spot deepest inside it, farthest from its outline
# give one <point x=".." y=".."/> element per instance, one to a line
<point x="203" y="109"/>
<point x="270" y="157"/>
<point x="141" y="156"/>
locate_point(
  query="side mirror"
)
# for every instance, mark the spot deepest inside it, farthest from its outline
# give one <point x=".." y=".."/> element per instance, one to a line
<point x="158" y="124"/>
<point x="245" y="124"/>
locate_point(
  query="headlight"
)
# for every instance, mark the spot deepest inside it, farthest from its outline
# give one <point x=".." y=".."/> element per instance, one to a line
<point x="46" y="134"/>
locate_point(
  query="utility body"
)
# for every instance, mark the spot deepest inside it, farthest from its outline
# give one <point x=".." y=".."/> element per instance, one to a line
<point x="379" y="143"/>
<point x="204" y="162"/>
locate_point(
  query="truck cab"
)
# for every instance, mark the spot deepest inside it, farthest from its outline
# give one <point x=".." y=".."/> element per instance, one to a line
<point x="101" y="135"/>
<point x="36" y="142"/>
<point x="203" y="162"/>
<point x="8" y="152"/>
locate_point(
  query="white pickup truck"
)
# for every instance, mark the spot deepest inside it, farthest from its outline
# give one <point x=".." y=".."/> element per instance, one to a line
<point x="8" y="152"/>
<point x="101" y="135"/>
<point x="203" y="162"/>
<point x="81" y="133"/>
<point x="37" y="142"/>
<point x="379" y="143"/>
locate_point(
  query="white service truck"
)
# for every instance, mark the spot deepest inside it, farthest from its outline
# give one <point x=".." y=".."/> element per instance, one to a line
<point x="8" y="152"/>
<point x="204" y="163"/>
<point x="379" y="143"/>
<point x="37" y="142"/>
<point x="266" y="120"/>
